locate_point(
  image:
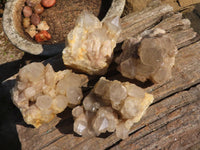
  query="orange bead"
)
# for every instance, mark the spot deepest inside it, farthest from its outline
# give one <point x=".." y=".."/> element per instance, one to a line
<point x="48" y="3"/>
<point x="42" y="36"/>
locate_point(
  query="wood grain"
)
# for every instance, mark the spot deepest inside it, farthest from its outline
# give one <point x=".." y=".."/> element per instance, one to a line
<point x="172" y="121"/>
<point x="138" y="5"/>
<point x="177" y="127"/>
<point x="186" y="73"/>
<point x="135" y="23"/>
<point x="185" y="3"/>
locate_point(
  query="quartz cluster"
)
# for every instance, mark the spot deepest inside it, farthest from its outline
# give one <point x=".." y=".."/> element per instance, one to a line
<point x="40" y="93"/>
<point x="90" y="44"/>
<point x="149" y="57"/>
<point x="111" y="106"/>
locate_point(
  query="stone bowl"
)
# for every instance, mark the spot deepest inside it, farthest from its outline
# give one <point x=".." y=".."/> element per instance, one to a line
<point x="61" y="19"/>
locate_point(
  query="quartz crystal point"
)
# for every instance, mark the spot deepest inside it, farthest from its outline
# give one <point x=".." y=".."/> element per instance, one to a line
<point x="149" y="57"/>
<point x="90" y="44"/>
<point x="111" y="106"/>
<point x="40" y="93"/>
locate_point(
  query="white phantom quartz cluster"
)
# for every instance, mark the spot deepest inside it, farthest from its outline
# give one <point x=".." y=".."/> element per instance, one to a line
<point x="40" y="93"/>
<point x="111" y="106"/>
<point x="90" y="44"/>
<point x="149" y="57"/>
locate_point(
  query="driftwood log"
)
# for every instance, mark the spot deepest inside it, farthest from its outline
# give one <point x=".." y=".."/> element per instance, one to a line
<point x="171" y="122"/>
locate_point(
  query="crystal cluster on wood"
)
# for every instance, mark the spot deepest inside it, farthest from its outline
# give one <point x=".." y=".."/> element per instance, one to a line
<point x="111" y="106"/>
<point x="40" y="93"/>
<point x="90" y="44"/>
<point x="149" y="57"/>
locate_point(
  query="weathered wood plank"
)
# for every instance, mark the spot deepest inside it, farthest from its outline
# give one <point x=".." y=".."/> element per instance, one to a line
<point x="174" y="22"/>
<point x="157" y="118"/>
<point x="194" y="17"/>
<point x="179" y="29"/>
<point x="185" y="74"/>
<point x="136" y="23"/>
<point x="138" y="5"/>
<point x="153" y="115"/>
<point x="179" y="129"/>
<point x="184" y="37"/>
<point x="185" y="3"/>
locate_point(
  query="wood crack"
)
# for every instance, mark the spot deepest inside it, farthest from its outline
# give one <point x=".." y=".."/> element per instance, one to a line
<point x="187" y="89"/>
<point x="166" y="124"/>
<point x="163" y="125"/>
<point x="53" y="141"/>
<point x="172" y="99"/>
<point x="134" y="132"/>
<point x="178" y="3"/>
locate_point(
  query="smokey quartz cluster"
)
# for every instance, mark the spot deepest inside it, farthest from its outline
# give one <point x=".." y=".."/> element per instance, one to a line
<point x="90" y="44"/>
<point x="149" y="57"/>
<point x="40" y="93"/>
<point x="111" y="106"/>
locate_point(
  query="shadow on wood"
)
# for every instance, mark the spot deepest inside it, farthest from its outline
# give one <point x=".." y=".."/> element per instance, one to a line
<point x="10" y="116"/>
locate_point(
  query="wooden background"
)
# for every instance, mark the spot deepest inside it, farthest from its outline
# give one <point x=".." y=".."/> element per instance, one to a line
<point x="171" y="122"/>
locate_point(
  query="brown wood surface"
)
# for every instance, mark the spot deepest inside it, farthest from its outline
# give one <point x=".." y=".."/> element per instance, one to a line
<point x="171" y="122"/>
<point x="135" y="23"/>
<point x="138" y="5"/>
<point x="186" y="73"/>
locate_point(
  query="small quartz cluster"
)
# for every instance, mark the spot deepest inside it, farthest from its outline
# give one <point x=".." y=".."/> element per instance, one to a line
<point x="32" y="23"/>
<point x="90" y="44"/>
<point x="149" y="57"/>
<point x="111" y="106"/>
<point x="40" y="93"/>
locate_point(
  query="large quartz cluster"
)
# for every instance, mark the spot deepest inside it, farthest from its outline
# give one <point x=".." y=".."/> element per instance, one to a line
<point x="111" y="106"/>
<point x="40" y="93"/>
<point x="90" y="44"/>
<point x="149" y="57"/>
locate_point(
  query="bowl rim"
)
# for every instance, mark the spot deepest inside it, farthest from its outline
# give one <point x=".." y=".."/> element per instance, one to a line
<point x="25" y="45"/>
<point x="13" y="35"/>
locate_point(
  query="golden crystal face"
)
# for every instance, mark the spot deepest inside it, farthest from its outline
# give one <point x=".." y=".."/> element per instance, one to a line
<point x="90" y="44"/>
<point x="40" y="93"/>
<point x="111" y="106"/>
